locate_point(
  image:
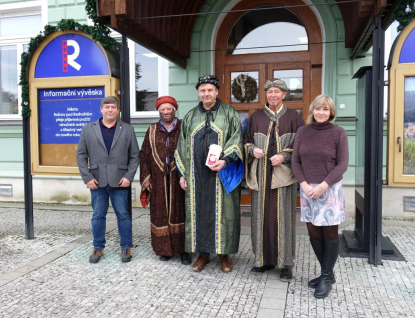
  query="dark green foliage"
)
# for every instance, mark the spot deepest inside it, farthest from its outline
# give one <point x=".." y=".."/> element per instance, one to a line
<point x="251" y="89"/>
<point x="405" y="17"/>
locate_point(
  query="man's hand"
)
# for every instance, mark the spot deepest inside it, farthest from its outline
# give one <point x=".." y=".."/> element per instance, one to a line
<point x="218" y="165"/>
<point x="92" y="184"/>
<point x="276" y="160"/>
<point x="183" y="183"/>
<point x="258" y="153"/>
<point x="124" y="182"/>
<point x="148" y="188"/>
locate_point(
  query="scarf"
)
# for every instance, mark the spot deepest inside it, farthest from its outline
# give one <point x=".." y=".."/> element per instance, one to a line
<point x="208" y="118"/>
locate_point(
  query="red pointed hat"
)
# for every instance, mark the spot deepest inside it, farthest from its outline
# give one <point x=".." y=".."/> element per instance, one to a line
<point x="166" y="99"/>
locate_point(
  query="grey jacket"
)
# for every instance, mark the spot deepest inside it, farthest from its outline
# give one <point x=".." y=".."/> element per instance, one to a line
<point x="122" y="161"/>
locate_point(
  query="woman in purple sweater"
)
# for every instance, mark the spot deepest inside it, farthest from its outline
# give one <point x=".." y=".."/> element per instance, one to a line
<point x="319" y="160"/>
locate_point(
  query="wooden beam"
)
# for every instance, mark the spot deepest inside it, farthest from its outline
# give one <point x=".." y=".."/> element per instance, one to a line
<point x="120" y="7"/>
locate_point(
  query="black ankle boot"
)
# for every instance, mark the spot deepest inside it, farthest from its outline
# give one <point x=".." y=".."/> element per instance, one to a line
<point x="318" y="248"/>
<point x="331" y="250"/>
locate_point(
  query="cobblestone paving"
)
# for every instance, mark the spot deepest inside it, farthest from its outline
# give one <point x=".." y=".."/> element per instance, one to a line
<point x="361" y="290"/>
<point x="52" y="229"/>
<point x="72" y="287"/>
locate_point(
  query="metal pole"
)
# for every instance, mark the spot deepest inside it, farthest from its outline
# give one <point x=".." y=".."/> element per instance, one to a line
<point x="125" y="81"/>
<point x="125" y="93"/>
<point x="377" y="143"/>
<point x="28" y="184"/>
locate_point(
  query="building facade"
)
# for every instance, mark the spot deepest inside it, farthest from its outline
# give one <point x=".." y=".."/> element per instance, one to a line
<point x="315" y="46"/>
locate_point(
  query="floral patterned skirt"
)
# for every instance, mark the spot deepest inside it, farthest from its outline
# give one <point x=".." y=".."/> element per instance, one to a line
<point x="329" y="209"/>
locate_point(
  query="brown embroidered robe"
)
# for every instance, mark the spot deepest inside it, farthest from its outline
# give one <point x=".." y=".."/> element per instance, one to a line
<point x="273" y="210"/>
<point x="167" y="213"/>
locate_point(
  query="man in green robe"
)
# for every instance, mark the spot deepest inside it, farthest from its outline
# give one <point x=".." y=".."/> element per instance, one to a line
<point x="212" y="192"/>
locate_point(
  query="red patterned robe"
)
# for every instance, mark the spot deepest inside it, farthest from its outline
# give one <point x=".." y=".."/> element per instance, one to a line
<point x="167" y="212"/>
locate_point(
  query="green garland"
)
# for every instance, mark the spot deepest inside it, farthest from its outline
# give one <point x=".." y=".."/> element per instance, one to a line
<point x="403" y="17"/>
<point x="97" y="32"/>
<point x="251" y="89"/>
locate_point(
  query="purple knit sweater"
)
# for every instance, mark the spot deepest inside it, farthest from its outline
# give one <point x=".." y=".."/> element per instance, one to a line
<point x="321" y="153"/>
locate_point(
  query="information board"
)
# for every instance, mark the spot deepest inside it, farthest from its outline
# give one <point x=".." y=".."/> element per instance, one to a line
<point x="69" y="74"/>
<point x="62" y="114"/>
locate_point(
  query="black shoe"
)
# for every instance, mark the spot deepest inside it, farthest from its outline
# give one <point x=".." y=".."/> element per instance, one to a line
<point x="126" y="255"/>
<point x="262" y="269"/>
<point x="164" y="258"/>
<point x="286" y="274"/>
<point x="185" y="258"/>
<point x="314" y="282"/>
<point x="96" y="255"/>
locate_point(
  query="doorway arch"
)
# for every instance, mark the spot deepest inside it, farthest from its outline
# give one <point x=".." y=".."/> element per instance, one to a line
<point x="304" y="65"/>
<point x="243" y="74"/>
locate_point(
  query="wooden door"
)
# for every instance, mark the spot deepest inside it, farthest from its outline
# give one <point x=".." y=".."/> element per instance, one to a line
<point x="239" y="71"/>
<point x="298" y="96"/>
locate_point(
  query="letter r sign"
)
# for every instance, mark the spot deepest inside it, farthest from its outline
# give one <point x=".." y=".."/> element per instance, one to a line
<point x="69" y="59"/>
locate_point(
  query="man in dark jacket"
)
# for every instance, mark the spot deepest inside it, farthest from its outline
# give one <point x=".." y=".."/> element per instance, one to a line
<point x="110" y="146"/>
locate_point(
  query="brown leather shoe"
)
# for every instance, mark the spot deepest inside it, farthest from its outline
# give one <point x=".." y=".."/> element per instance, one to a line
<point x="200" y="263"/>
<point x="225" y="263"/>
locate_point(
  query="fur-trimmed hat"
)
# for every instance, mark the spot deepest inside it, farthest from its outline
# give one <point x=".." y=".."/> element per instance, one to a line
<point x="166" y="99"/>
<point x="276" y="82"/>
<point x="208" y="79"/>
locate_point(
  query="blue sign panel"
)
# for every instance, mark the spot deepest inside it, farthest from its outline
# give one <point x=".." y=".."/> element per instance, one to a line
<point x="64" y="111"/>
<point x="71" y="55"/>
<point x="408" y="49"/>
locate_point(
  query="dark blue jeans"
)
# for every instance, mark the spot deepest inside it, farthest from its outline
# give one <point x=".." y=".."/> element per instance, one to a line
<point x="100" y="203"/>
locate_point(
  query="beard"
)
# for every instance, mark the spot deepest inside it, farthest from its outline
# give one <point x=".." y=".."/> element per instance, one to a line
<point x="168" y="118"/>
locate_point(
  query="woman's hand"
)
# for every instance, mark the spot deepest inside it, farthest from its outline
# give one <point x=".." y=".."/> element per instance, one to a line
<point x="276" y="160"/>
<point x="183" y="183"/>
<point x="318" y="190"/>
<point x="306" y="188"/>
<point x="258" y="153"/>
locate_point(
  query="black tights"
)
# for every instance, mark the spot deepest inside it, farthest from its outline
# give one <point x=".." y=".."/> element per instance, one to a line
<point x="330" y="233"/>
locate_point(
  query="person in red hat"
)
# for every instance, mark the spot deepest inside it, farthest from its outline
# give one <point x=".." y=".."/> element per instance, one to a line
<point x="160" y="183"/>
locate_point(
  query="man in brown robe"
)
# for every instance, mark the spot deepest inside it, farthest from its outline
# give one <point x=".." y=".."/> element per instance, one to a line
<point x="268" y="142"/>
<point x="160" y="183"/>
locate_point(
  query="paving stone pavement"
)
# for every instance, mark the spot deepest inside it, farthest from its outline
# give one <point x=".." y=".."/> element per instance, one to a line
<point x="50" y="276"/>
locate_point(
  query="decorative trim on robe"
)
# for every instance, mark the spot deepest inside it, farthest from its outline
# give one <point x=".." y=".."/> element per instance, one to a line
<point x="179" y="163"/>
<point x="164" y="230"/>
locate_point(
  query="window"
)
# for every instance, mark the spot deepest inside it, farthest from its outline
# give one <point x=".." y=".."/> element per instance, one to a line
<point x="151" y="78"/>
<point x="17" y="26"/>
<point x="8" y="80"/>
<point x="273" y="29"/>
<point x="12" y="26"/>
<point x="401" y="119"/>
<point x="294" y="81"/>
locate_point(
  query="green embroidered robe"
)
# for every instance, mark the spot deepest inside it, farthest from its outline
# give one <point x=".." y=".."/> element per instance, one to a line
<point x="212" y="216"/>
